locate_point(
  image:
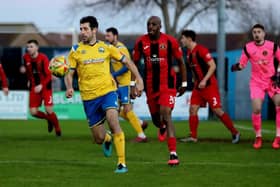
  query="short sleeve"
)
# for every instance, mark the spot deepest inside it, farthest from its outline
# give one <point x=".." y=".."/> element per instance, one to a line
<point x="115" y="53"/>
<point x="71" y="59"/>
<point x="205" y="54"/>
<point x="124" y="51"/>
<point x="176" y="49"/>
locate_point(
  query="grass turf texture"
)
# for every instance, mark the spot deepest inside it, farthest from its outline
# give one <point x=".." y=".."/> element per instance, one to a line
<point x="30" y="156"/>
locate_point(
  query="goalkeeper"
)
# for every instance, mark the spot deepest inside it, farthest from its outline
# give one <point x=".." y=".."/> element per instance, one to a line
<point x="264" y="56"/>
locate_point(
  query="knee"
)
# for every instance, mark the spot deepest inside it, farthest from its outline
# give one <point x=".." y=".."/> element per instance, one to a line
<point x="218" y="111"/>
<point x="256" y="110"/>
<point x="98" y="139"/>
<point x="33" y="112"/>
<point x="125" y="111"/>
<point x="126" y="108"/>
<point x="193" y="111"/>
<point x="49" y="110"/>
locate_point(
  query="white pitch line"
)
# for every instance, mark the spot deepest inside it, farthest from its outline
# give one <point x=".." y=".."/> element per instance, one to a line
<point x="208" y="163"/>
<point x="266" y="131"/>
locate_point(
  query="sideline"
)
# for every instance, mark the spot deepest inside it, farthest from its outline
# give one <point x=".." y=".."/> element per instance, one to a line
<point x="265" y="131"/>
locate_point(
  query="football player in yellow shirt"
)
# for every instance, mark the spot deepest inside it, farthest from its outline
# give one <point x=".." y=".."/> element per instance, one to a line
<point x="91" y="59"/>
<point x="123" y="77"/>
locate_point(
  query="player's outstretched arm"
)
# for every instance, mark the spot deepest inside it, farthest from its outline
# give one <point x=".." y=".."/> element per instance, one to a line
<point x="182" y="89"/>
<point x="139" y="84"/>
<point x="68" y="79"/>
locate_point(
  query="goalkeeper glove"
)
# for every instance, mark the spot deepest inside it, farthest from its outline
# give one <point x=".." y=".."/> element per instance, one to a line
<point x="235" y="67"/>
<point x="276" y="80"/>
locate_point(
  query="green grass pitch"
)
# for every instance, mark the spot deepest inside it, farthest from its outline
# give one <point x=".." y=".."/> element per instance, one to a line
<point x="30" y="156"/>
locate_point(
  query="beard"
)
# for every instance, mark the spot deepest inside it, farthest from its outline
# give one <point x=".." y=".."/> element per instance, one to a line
<point x="258" y="40"/>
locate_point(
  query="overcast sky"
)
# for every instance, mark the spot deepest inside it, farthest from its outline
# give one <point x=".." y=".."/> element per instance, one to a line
<point x="49" y="15"/>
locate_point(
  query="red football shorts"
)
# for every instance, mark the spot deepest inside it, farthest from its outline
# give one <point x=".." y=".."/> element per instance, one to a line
<point x="35" y="99"/>
<point x="210" y="94"/>
<point x="163" y="98"/>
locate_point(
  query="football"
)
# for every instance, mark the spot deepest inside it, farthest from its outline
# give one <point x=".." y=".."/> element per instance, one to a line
<point x="59" y="66"/>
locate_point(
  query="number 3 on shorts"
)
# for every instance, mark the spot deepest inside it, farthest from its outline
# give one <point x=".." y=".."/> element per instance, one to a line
<point x="214" y="99"/>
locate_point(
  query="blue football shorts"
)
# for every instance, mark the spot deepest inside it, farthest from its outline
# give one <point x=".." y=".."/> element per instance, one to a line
<point x="95" y="109"/>
<point x="124" y="94"/>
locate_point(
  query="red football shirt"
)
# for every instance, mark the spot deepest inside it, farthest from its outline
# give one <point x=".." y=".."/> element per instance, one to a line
<point x="37" y="70"/>
<point x="198" y="59"/>
<point x="158" y="58"/>
<point x="3" y="77"/>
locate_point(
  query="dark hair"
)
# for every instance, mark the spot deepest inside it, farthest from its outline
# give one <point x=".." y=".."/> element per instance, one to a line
<point x="113" y="30"/>
<point x="91" y="20"/>
<point x="33" y="41"/>
<point x="260" y="26"/>
<point x="189" y="33"/>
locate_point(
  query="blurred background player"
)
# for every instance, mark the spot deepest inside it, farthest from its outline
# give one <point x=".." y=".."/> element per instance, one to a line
<point x="91" y="59"/>
<point x="265" y="78"/>
<point x="123" y="77"/>
<point x="36" y="66"/>
<point x="205" y="86"/>
<point x="159" y="50"/>
<point x="4" y="80"/>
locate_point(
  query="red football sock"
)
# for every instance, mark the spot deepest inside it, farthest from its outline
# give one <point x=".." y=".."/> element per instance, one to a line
<point x="193" y="123"/>
<point x="41" y="115"/>
<point x="278" y="121"/>
<point x="257" y="124"/>
<point x="171" y="142"/>
<point x="53" y="118"/>
<point x="228" y="123"/>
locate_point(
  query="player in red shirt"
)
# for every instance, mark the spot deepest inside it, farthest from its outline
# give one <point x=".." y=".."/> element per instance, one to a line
<point x="4" y="80"/>
<point x="39" y="77"/>
<point x="159" y="51"/>
<point x="205" y="86"/>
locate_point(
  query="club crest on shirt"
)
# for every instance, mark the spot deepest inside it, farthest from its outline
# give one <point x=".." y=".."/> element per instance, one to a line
<point x="193" y="55"/>
<point x="162" y="46"/>
<point x="101" y="50"/>
<point x="264" y="53"/>
<point x="83" y="52"/>
<point x="208" y="55"/>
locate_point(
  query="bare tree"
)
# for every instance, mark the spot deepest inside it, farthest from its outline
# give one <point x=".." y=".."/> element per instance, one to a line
<point x="267" y="16"/>
<point x="173" y="11"/>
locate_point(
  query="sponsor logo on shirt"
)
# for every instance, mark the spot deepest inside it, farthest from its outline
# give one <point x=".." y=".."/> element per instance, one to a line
<point x="264" y="53"/>
<point x="146" y="47"/>
<point x="162" y="46"/>
<point x="101" y="50"/>
<point x="155" y="59"/>
<point x="208" y="55"/>
<point x="91" y="61"/>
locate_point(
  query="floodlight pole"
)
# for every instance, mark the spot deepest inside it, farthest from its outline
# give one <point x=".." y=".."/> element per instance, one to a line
<point x="221" y="42"/>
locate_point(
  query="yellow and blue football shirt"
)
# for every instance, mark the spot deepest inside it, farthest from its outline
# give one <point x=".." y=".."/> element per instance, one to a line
<point x="92" y="64"/>
<point x="123" y="79"/>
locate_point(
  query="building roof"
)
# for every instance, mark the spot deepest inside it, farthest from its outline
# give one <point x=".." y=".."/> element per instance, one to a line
<point x="18" y="28"/>
<point x="16" y="35"/>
